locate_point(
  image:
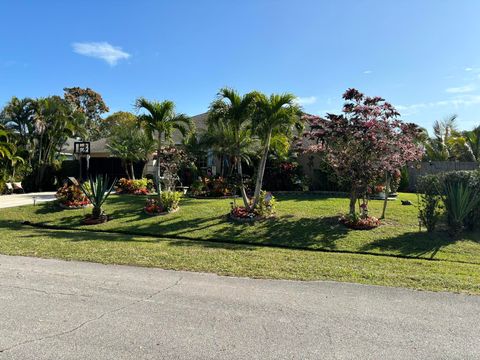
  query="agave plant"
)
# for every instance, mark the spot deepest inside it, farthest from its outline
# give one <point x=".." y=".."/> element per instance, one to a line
<point x="460" y="201"/>
<point x="97" y="191"/>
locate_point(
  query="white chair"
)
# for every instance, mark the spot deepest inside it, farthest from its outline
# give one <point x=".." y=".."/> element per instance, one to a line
<point x="9" y="187"/>
<point x="17" y="187"/>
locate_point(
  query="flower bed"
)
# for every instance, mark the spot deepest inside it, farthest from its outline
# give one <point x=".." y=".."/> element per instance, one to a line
<point x="169" y="203"/>
<point x="242" y="215"/>
<point x="135" y="187"/>
<point x="265" y="209"/>
<point x="358" y="223"/>
<point x="71" y="197"/>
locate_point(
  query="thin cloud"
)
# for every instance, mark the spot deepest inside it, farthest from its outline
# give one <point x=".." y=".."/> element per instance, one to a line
<point x="309" y="100"/>
<point x="368" y="72"/>
<point x="456" y="102"/>
<point x="461" y="89"/>
<point x="101" y="50"/>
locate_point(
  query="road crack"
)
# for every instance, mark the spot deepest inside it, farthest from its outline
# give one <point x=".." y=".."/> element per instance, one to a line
<point x="86" y="322"/>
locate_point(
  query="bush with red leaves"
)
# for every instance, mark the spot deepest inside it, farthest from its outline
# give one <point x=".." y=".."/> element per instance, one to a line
<point x="357" y="223"/>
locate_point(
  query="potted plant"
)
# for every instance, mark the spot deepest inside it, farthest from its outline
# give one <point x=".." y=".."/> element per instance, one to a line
<point x="97" y="193"/>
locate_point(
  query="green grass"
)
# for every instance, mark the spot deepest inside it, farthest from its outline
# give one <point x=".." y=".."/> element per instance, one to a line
<point x="305" y="222"/>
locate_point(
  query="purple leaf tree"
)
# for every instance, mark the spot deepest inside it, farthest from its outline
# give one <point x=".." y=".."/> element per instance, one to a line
<point x="364" y="144"/>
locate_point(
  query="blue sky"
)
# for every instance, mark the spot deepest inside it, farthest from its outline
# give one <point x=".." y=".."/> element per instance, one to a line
<point x="423" y="56"/>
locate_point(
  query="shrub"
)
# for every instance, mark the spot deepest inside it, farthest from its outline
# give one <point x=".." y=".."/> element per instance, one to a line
<point x="212" y="186"/>
<point x="471" y="180"/>
<point x="97" y="193"/>
<point x="460" y="200"/>
<point x="429" y="201"/>
<point x="396" y="178"/>
<point x="71" y="196"/>
<point x="460" y="193"/>
<point x="152" y="206"/>
<point x="264" y="208"/>
<point x="197" y="188"/>
<point x="266" y="204"/>
<point x="357" y="222"/>
<point x="170" y="200"/>
<point x="404" y="181"/>
<point x="137" y="187"/>
<point x="285" y="176"/>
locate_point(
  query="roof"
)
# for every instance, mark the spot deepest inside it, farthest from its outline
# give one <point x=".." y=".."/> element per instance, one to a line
<point x="100" y="146"/>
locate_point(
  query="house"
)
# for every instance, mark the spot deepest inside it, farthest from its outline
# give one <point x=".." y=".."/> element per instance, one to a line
<point x="101" y="161"/>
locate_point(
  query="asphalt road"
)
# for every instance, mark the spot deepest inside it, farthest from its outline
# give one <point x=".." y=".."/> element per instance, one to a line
<point x="71" y="310"/>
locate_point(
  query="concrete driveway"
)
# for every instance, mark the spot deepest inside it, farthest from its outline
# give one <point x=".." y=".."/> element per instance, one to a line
<point x="13" y="200"/>
<point x="70" y="310"/>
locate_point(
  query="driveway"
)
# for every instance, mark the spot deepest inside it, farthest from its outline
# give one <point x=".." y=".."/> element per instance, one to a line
<point x="71" y="310"/>
<point x="7" y="201"/>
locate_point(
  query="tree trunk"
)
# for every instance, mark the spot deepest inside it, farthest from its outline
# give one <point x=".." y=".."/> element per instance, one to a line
<point x="242" y="187"/>
<point x="159" y="150"/>
<point x="96" y="212"/>
<point x="125" y="168"/>
<point x="132" y="170"/>
<point x="353" y="201"/>
<point x="221" y="165"/>
<point x="261" y="171"/>
<point x="387" y="191"/>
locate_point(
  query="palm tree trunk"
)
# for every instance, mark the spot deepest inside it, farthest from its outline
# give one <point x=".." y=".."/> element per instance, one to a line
<point x="261" y="171"/>
<point x="159" y="150"/>
<point x="242" y="187"/>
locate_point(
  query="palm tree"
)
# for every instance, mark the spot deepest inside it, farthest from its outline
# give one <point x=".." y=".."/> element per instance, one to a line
<point x="17" y="116"/>
<point x="6" y="147"/>
<point x="131" y="144"/>
<point x="448" y="143"/>
<point x="276" y="115"/>
<point x="228" y="144"/>
<point x="161" y="121"/>
<point x="472" y="142"/>
<point x="231" y="113"/>
<point x="54" y="121"/>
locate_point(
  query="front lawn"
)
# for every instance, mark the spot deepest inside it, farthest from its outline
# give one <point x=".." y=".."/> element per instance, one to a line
<point x="303" y="222"/>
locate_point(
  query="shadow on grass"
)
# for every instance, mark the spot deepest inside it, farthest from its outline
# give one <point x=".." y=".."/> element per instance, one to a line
<point x="203" y="226"/>
<point x="89" y="236"/>
<point x="288" y="231"/>
<point x="305" y="197"/>
<point x="48" y="208"/>
<point x="416" y="244"/>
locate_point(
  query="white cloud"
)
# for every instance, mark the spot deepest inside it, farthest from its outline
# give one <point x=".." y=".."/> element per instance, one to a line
<point x="101" y="50"/>
<point x="308" y="100"/>
<point x="468" y="69"/>
<point x="456" y="102"/>
<point x="461" y="89"/>
<point x="368" y="72"/>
